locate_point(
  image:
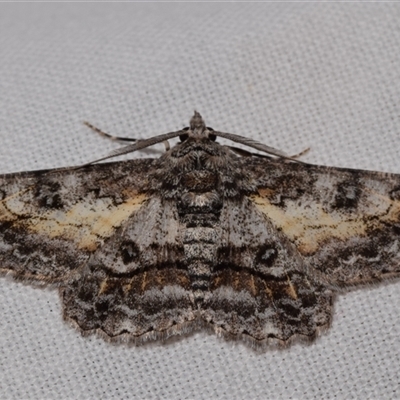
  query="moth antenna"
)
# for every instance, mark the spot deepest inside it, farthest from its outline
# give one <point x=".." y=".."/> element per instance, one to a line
<point x="252" y="143"/>
<point x="107" y="135"/>
<point x="138" y="145"/>
<point x="196" y="125"/>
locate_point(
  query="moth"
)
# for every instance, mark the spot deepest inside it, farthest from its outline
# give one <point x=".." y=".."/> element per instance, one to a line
<point x="251" y="246"/>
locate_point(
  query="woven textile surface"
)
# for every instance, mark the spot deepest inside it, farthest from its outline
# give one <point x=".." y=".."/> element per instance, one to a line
<point x="290" y="75"/>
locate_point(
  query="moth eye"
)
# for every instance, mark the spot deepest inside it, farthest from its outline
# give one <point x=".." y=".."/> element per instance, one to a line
<point x="210" y="135"/>
<point x="184" y="137"/>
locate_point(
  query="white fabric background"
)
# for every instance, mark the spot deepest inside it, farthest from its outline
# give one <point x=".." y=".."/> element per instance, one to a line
<point x="291" y="75"/>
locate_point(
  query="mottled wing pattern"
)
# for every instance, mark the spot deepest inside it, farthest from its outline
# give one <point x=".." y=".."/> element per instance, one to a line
<point x="111" y="250"/>
<point x="52" y="221"/>
<point x="260" y="288"/>
<point x="345" y="224"/>
<point x="136" y="286"/>
<point x="253" y="247"/>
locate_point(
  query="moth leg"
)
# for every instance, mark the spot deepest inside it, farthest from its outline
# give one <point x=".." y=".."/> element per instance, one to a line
<point x="166" y="145"/>
<point x="119" y="138"/>
<point x="241" y="152"/>
<point x="301" y="154"/>
<point x="246" y="153"/>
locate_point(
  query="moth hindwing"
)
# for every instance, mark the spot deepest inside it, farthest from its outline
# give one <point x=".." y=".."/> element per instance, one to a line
<point x="254" y="247"/>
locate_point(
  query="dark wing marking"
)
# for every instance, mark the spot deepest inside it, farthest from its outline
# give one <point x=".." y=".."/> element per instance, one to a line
<point x="260" y="288"/>
<point x="148" y="304"/>
<point x="344" y="223"/>
<point x="137" y="286"/>
<point x="51" y="221"/>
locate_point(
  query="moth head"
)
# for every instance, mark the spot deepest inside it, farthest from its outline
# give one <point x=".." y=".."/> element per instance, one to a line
<point x="197" y="128"/>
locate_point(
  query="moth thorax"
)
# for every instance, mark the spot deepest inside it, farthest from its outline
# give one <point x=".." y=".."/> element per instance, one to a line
<point x="206" y="202"/>
<point x="200" y="180"/>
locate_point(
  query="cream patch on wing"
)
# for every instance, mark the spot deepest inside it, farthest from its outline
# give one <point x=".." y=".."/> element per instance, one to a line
<point x="308" y="224"/>
<point x="85" y="223"/>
